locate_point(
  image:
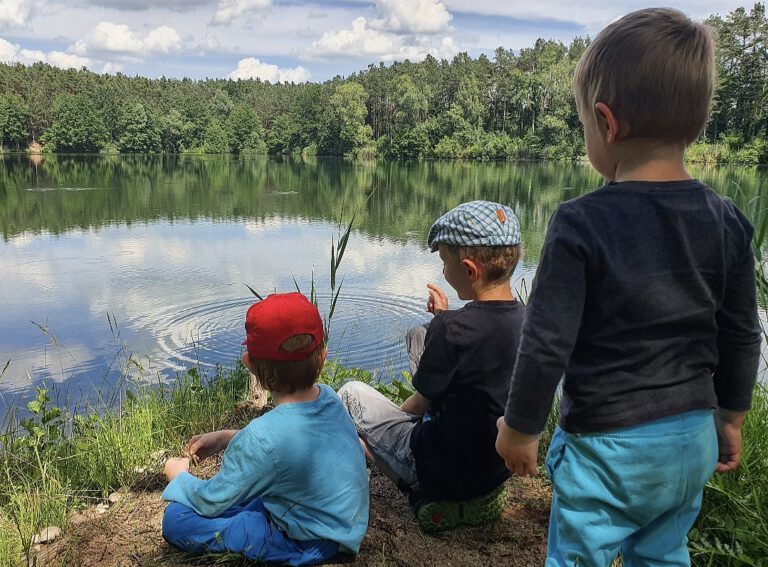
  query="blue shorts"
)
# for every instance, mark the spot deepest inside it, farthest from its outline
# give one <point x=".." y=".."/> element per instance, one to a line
<point x="636" y="490"/>
<point x="245" y="529"/>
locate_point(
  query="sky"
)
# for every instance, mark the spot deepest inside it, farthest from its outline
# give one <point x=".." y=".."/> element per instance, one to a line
<point x="292" y="40"/>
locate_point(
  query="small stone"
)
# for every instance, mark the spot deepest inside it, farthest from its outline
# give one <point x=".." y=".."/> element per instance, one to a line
<point x="115" y="497"/>
<point x="47" y="535"/>
<point x="101" y="508"/>
<point x="77" y="518"/>
<point x="159" y="455"/>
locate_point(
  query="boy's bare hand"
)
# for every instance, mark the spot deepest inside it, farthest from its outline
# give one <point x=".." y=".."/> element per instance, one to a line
<point x="518" y="450"/>
<point x="438" y="301"/>
<point x="176" y="466"/>
<point x="200" y="447"/>
<point x="728" y="425"/>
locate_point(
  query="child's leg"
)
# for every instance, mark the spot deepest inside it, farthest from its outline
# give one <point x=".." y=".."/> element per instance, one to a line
<point x="664" y="540"/>
<point x="612" y="488"/>
<point x="414" y="345"/>
<point x="384" y="428"/>
<point x="243" y="529"/>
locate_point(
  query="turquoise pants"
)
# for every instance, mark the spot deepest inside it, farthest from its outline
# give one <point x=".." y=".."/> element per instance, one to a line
<point x="636" y="490"/>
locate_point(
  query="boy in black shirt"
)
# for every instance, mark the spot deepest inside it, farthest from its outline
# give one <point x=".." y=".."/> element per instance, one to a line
<point x="645" y="299"/>
<point x="439" y="445"/>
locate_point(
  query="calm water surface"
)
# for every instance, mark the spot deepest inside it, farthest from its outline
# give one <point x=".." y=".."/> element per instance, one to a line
<point x="113" y="266"/>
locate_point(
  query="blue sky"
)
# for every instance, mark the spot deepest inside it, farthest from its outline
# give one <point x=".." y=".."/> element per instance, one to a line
<point x="291" y="40"/>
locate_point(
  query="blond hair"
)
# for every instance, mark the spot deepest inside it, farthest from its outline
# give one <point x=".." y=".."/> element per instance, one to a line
<point x="287" y="377"/>
<point x="497" y="262"/>
<point x="654" y="68"/>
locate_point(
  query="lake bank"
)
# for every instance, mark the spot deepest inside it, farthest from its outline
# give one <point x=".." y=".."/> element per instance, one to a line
<point x="61" y="472"/>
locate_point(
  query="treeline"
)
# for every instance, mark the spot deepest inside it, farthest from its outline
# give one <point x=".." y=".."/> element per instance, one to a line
<point x="515" y="105"/>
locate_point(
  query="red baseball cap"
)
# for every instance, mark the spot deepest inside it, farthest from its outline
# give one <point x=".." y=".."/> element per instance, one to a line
<point x="272" y="321"/>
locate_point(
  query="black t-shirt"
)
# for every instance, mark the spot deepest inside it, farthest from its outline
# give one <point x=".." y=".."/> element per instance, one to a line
<point x="469" y="355"/>
<point x="645" y="299"/>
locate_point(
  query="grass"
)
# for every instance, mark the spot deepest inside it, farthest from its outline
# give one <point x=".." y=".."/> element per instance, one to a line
<point x="732" y="528"/>
<point x="52" y="464"/>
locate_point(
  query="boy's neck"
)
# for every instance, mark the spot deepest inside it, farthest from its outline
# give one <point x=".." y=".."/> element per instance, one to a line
<point x="492" y="292"/>
<point x="308" y="395"/>
<point x="640" y="159"/>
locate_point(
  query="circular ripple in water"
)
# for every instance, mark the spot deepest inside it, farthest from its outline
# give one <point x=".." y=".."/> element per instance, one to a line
<point x="366" y="332"/>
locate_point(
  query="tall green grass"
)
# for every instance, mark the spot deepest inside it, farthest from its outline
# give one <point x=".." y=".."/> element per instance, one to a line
<point x="732" y="528"/>
<point x="52" y="463"/>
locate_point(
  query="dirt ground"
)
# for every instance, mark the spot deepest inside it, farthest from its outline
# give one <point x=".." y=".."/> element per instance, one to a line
<point x="128" y="534"/>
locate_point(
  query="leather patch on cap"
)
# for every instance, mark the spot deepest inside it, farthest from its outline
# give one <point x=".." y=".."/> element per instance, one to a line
<point x="501" y="215"/>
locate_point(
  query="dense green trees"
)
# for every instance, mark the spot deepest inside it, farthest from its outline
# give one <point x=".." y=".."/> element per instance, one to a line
<point x="77" y="126"/>
<point x="14" y="114"/>
<point x="512" y="105"/>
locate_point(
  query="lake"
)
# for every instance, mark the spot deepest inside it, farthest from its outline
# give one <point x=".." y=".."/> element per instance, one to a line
<point x="139" y="266"/>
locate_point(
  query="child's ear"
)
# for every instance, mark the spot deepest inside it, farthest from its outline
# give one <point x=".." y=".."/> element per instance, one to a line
<point x="474" y="271"/>
<point x="607" y="123"/>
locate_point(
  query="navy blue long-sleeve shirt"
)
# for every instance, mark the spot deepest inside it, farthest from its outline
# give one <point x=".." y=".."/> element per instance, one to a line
<point x="644" y="302"/>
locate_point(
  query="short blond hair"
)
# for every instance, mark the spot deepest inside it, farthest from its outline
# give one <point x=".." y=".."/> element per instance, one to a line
<point x="498" y="262"/>
<point x="655" y="70"/>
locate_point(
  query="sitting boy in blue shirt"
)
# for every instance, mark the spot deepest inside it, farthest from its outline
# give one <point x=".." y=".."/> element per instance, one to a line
<point x="439" y="444"/>
<point x="292" y="488"/>
<point x="645" y="299"/>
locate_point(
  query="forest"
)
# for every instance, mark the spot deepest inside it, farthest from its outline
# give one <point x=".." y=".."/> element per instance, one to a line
<point x="515" y="105"/>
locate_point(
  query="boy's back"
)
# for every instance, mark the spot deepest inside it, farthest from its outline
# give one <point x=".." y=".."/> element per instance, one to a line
<point x="468" y="357"/>
<point x="663" y="267"/>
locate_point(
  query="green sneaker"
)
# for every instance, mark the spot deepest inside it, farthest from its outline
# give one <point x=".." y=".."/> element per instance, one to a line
<point x="442" y="515"/>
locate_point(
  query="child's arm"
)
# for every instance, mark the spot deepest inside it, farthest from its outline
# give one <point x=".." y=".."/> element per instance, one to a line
<point x="728" y="425"/>
<point x="246" y="471"/>
<point x="416" y="404"/>
<point x="519" y="451"/>
<point x="201" y="447"/>
<point x="175" y="466"/>
<point x="552" y="320"/>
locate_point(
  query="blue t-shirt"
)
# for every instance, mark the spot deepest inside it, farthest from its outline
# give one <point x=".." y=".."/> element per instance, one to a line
<point x="305" y="462"/>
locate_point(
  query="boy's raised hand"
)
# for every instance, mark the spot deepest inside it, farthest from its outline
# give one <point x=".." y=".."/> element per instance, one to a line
<point x="518" y="450"/>
<point x="200" y="447"/>
<point x="438" y="301"/>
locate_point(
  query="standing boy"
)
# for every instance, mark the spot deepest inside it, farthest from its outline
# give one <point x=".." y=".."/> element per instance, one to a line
<point x="645" y="300"/>
<point x="292" y="488"/>
<point x="439" y="445"/>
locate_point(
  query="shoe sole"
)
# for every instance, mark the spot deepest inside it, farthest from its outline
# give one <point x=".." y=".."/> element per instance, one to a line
<point x="445" y="514"/>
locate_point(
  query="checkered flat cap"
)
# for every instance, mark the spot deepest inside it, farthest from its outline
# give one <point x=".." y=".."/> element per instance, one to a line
<point x="477" y="223"/>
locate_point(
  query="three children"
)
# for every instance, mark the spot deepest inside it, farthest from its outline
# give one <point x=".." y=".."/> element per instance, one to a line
<point x="644" y="299"/>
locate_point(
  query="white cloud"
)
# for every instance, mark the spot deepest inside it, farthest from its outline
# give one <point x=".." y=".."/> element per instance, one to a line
<point x="112" y="68"/>
<point x="13" y="53"/>
<point x="164" y="39"/>
<point x="228" y="10"/>
<point x="412" y="16"/>
<point x="13" y="13"/>
<point x="67" y="60"/>
<point x="362" y="39"/>
<point x="119" y="38"/>
<point x="359" y="39"/>
<point x="7" y="51"/>
<point x="252" y="68"/>
<point x="108" y="36"/>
